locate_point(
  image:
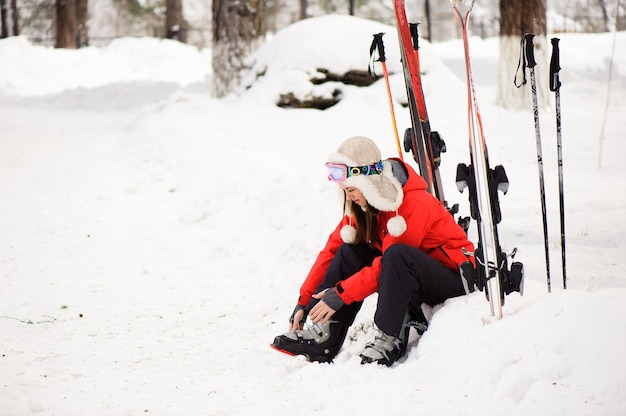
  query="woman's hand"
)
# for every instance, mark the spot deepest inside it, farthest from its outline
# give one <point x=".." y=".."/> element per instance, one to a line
<point x="321" y="311"/>
<point x="297" y="321"/>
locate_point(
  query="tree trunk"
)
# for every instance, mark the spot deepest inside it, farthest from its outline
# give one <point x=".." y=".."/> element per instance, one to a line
<point x="174" y="22"/>
<point x="82" y="17"/>
<point x="428" y="36"/>
<point x="15" y="17"/>
<point x="518" y="17"/>
<point x="65" y="24"/>
<point x="605" y="15"/>
<point x="4" y="19"/>
<point x="8" y="19"/>
<point x="303" y="6"/>
<point x="239" y="27"/>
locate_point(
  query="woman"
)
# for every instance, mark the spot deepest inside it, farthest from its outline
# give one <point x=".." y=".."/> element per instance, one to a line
<point x="395" y="239"/>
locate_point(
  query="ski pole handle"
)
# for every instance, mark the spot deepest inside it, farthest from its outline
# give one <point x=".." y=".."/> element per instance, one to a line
<point x="555" y="66"/>
<point x="377" y="44"/>
<point x="530" y="54"/>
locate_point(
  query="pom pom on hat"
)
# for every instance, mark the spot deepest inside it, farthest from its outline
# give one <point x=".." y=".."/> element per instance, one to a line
<point x="348" y="234"/>
<point x="396" y="226"/>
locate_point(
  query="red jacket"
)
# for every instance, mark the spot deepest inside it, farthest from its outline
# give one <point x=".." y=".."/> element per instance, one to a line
<point x="430" y="227"/>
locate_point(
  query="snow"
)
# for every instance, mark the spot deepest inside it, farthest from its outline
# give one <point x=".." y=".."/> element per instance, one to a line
<point x="153" y="239"/>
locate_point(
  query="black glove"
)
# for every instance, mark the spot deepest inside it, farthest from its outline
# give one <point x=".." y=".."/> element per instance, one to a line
<point x="295" y="310"/>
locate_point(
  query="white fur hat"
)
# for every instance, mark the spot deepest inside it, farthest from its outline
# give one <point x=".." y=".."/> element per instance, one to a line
<point x="382" y="191"/>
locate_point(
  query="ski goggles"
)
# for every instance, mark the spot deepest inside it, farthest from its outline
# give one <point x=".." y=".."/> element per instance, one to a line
<point x="338" y="172"/>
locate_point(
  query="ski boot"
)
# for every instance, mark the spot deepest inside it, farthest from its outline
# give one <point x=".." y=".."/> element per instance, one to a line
<point x="317" y="342"/>
<point x="386" y="349"/>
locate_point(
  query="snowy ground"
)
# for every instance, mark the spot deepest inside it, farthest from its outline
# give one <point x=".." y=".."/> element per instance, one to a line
<point x="153" y="239"/>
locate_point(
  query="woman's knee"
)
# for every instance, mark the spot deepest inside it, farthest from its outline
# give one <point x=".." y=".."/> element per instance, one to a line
<point x="396" y="252"/>
<point x="357" y="253"/>
<point x="398" y="263"/>
<point x="346" y="250"/>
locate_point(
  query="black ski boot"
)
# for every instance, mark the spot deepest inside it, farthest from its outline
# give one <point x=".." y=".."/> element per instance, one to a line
<point x="318" y="342"/>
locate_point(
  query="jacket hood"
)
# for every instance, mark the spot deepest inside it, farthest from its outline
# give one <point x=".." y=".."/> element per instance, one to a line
<point x="414" y="181"/>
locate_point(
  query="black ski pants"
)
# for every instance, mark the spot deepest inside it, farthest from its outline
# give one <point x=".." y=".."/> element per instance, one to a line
<point x="408" y="278"/>
<point x="349" y="259"/>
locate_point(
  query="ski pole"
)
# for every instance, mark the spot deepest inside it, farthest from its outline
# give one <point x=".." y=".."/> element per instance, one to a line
<point x="377" y="45"/>
<point x="529" y="60"/>
<point x="555" y="86"/>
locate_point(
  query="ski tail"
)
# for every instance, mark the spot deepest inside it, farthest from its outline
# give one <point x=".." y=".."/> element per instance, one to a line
<point x="483" y="183"/>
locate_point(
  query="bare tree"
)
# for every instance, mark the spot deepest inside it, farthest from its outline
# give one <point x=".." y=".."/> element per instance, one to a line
<point x="303" y="6"/>
<point x="15" y="15"/>
<point x="518" y="17"/>
<point x="65" y="24"/>
<point x="428" y="20"/>
<point x="174" y="22"/>
<point x="4" y="19"/>
<point x="71" y="24"/>
<point x="8" y="19"/>
<point x="82" y="17"/>
<point x="605" y="14"/>
<point x="239" y="27"/>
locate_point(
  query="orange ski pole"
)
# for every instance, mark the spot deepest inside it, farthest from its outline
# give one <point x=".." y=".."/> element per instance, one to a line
<point x="377" y="45"/>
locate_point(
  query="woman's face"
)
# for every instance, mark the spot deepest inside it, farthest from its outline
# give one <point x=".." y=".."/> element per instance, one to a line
<point x="354" y="194"/>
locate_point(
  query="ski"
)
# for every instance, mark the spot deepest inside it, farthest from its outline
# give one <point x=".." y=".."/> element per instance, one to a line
<point x="483" y="183"/>
<point x="425" y="145"/>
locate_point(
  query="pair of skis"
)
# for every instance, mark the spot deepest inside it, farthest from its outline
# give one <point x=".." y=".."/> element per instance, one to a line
<point x="492" y="272"/>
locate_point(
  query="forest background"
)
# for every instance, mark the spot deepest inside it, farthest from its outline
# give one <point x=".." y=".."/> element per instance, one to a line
<point x="110" y="19"/>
